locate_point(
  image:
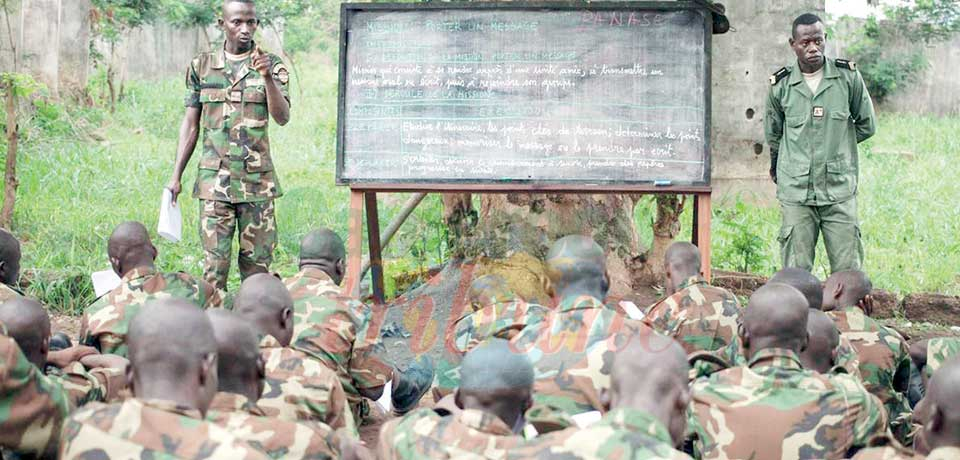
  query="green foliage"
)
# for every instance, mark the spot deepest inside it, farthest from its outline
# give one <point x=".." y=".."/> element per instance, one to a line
<point x="21" y="84"/>
<point x="739" y="245"/>
<point x="110" y="18"/>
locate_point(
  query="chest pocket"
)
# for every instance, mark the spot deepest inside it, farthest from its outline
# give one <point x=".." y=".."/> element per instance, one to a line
<point x="213" y="101"/>
<point x="255" y="117"/>
<point x="255" y="111"/>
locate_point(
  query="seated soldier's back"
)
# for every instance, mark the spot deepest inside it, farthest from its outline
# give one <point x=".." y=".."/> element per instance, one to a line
<point x="699" y="316"/>
<point x="775" y="409"/>
<point x="105" y="322"/>
<point x="148" y="429"/>
<point x="424" y="434"/>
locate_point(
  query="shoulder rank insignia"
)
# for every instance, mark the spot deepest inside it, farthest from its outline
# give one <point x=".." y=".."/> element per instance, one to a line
<point x="846" y="64"/>
<point x="779" y="75"/>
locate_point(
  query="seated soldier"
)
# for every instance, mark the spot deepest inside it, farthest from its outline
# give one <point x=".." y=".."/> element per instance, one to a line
<point x="173" y="374"/>
<point x="9" y="266"/>
<point x="241" y="380"/>
<point x="495" y="390"/>
<point x="571" y="345"/>
<point x="939" y="413"/>
<point x="34" y="406"/>
<point x="821" y="352"/>
<point x="494" y="311"/>
<point x="132" y="255"/>
<point x="649" y="400"/>
<point x="930" y="354"/>
<point x="773" y="408"/>
<point x="336" y="330"/>
<point x="846" y="360"/>
<point x="702" y="317"/>
<point x="883" y="354"/>
<point x="298" y="387"/>
<point x="28" y="323"/>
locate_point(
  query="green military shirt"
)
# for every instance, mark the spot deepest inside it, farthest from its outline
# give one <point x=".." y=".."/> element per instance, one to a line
<point x="235" y="165"/>
<point x="816" y="135"/>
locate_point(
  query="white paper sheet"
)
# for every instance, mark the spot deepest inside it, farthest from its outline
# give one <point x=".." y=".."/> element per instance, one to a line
<point x="586" y="419"/>
<point x="170" y="223"/>
<point x="104" y="282"/>
<point x="385" y="400"/>
<point x="631" y="309"/>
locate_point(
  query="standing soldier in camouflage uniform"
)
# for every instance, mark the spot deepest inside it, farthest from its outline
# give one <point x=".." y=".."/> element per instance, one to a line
<point x="241" y="380"/>
<point x="649" y="399"/>
<point x="817" y="111"/>
<point x="34" y="407"/>
<point x="773" y="408"/>
<point x="28" y="323"/>
<point x="496" y="389"/>
<point x="173" y="370"/>
<point x="883" y="354"/>
<point x="232" y="92"/>
<point x="298" y="387"/>
<point x="104" y="323"/>
<point x="571" y="347"/>
<point x="702" y="317"/>
<point x="9" y="266"/>
<point x="341" y="332"/>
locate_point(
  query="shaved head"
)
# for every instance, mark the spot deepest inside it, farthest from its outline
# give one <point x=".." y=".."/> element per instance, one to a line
<point x="129" y="247"/>
<point x="29" y="325"/>
<point x="324" y="249"/>
<point x="775" y="317"/>
<point x="681" y="262"/>
<point x="489" y="290"/>
<point x="9" y="258"/>
<point x="650" y="374"/>
<point x="576" y="266"/>
<point x="845" y="289"/>
<point x="497" y="379"/>
<point x="803" y="281"/>
<point x="824" y="340"/>
<point x="264" y="301"/>
<point x="942" y="424"/>
<point x="173" y="353"/>
<point x="240" y="368"/>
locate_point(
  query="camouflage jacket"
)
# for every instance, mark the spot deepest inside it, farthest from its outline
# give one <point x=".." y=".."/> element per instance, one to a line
<point x="9" y="293"/>
<point x="336" y="331"/>
<point x="886" y="448"/>
<point x="83" y="386"/>
<point x="700" y="316"/>
<point x="776" y="409"/>
<point x="300" y="388"/>
<point x="503" y="320"/>
<point x="423" y="434"/>
<point x="622" y="433"/>
<point x="32" y="406"/>
<point x="104" y="323"/>
<point x="278" y="438"/>
<point x="235" y="165"/>
<point x="572" y="349"/>
<point x="847" y="361"/>
<point x="939" y="351"/>
<point x="884" y="359"/>
<point x="140" y="428"/>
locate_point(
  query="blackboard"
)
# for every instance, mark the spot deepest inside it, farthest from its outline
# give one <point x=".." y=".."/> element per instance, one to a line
<point x="524" y="94"/>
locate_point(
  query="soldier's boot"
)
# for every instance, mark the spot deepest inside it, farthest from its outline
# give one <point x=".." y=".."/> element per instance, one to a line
<point x="60" y="341"/>
<point x="410" y="385"/>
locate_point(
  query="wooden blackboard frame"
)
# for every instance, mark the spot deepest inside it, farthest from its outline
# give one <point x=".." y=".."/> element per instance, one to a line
<point x="524" y="185"/>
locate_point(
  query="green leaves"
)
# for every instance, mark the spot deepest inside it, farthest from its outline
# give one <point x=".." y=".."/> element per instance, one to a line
<point x="23" y="85"/>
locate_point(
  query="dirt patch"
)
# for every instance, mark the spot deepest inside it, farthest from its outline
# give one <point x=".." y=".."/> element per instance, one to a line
<point x="67" y="324"/>
<point x="885" y="304"/>
<point x="936" y="308"/>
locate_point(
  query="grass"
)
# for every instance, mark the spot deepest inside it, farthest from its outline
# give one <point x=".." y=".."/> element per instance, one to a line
<point x="82" y="172"/>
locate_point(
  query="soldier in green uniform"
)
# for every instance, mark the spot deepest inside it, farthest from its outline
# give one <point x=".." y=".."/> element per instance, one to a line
<point x="817" y="111"/>
<point x="232" y="92"/>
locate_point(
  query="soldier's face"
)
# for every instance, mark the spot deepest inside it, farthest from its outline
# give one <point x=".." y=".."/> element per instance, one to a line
<point x="239" y="23"/>
<point x="808" y="42"/>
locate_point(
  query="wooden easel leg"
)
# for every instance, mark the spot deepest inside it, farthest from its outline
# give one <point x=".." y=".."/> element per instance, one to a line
<point x="351" y="280"/>
<point x="701" y="231"/>
<point x="373" y="240"/>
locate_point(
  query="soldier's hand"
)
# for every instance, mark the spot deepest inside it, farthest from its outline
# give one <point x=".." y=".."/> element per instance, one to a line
<point x="62" y="358"/>
<point x="866" y="304"/>
<point x="102" y="361"/>
<point x="262" y="62"/>
<point x="174" y="187"/>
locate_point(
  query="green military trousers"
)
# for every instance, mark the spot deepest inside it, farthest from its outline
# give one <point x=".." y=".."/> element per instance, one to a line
<point x="256" y="228"/>
<point x="802" y="225"/>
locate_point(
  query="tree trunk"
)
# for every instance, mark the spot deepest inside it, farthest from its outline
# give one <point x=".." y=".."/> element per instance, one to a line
<point x="10" y="176"/>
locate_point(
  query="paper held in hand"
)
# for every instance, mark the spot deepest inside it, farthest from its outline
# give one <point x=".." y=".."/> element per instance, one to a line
<point x="170" y="223"/>
<point x="104" y="282"/>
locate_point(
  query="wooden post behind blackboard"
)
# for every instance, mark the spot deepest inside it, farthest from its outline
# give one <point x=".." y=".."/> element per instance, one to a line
<point x="359" y="198"/>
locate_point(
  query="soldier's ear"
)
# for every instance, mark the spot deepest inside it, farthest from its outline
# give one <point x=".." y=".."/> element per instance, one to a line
<point x="340" y="267"/>
<point x="935" y="422"/>
<point x="130" y="374"/>
<point x="805" y="342"/>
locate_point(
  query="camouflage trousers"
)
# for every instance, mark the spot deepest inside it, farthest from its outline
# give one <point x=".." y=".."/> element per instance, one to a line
<point x="256" y="227"/>
<point x="802" y="226"/>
